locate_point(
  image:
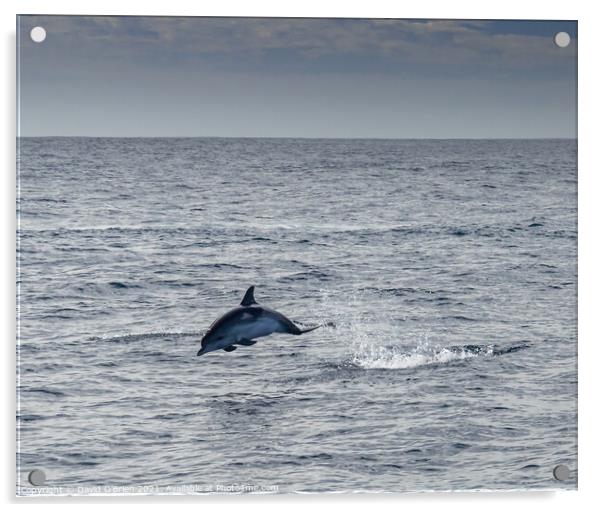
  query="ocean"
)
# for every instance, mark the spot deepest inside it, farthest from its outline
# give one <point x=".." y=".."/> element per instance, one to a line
<point x="445" y="270"/>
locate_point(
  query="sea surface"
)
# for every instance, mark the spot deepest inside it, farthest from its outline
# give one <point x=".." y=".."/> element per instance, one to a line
<point x="445" y="270"/>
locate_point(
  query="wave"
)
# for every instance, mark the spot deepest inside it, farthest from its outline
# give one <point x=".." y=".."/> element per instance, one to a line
<point x="240" y="232"/>
<point x="306" y="276"/>
<point x="119" y="284"/>
<point x="395" y="359"/>
<point x="378" y="340"/>
<point x="133" y="337"/>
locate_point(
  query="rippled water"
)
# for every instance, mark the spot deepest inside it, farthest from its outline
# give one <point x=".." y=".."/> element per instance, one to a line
<point x="447" y="271"/>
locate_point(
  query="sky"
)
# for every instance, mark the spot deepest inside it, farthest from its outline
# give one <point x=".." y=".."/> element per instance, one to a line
<point x="277" y="77"/>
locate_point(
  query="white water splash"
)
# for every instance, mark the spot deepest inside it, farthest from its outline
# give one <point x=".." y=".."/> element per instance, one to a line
<point x="393" y="358"/>
<point x="376" y="340"/>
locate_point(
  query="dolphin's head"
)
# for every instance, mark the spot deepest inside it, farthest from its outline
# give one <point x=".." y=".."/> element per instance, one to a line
<point x="214" y="339"/>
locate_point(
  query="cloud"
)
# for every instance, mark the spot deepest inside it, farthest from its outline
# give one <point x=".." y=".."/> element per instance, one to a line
<point x="305" y="44"/>
<point x="328" y="77"/>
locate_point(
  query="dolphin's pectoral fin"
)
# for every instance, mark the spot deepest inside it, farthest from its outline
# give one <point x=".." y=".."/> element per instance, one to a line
<point x="249" y="298"/>
<point x="230" y="348"/>
<point x="246" y="342"/>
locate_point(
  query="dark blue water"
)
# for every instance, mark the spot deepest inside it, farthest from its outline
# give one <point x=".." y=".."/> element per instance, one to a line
<point x="447" y="267"/>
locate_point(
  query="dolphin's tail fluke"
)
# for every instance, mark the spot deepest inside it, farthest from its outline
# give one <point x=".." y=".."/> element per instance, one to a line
<point x="303" y="331"/>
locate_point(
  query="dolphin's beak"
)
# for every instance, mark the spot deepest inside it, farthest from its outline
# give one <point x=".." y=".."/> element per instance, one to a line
<point x="200" y="352"/>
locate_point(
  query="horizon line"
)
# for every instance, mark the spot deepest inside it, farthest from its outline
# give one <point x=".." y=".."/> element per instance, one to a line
<point x="280" y="137"/>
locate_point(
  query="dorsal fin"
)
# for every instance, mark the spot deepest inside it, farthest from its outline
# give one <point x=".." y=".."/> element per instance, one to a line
<point x="248" y="299"/>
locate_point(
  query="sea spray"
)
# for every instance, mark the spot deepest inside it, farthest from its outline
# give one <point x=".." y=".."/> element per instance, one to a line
<point x="372" y="337"/>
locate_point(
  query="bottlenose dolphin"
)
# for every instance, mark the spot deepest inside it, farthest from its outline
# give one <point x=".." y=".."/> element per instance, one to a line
<point x="243" y="324"/>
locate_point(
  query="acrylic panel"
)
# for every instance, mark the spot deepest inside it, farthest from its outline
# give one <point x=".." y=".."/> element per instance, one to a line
<point x="269" y="255"/>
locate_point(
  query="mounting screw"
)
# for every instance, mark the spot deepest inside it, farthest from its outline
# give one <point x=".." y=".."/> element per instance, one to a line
<point x="561" y="472"/>
<point x="37" y="477"/>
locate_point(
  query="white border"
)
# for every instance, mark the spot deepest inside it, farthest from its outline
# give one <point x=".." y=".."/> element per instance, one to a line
<point x="590" y="258"/>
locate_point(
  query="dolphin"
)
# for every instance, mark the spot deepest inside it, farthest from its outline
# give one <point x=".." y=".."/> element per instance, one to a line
<point x="241" y="325"/>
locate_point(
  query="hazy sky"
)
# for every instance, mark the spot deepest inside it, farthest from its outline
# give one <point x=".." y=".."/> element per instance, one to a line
<point x="262" y="77"/>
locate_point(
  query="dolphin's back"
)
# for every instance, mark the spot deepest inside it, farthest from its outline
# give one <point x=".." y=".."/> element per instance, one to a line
<point x="269" y="319"/>
<point x="241" y="325"/>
